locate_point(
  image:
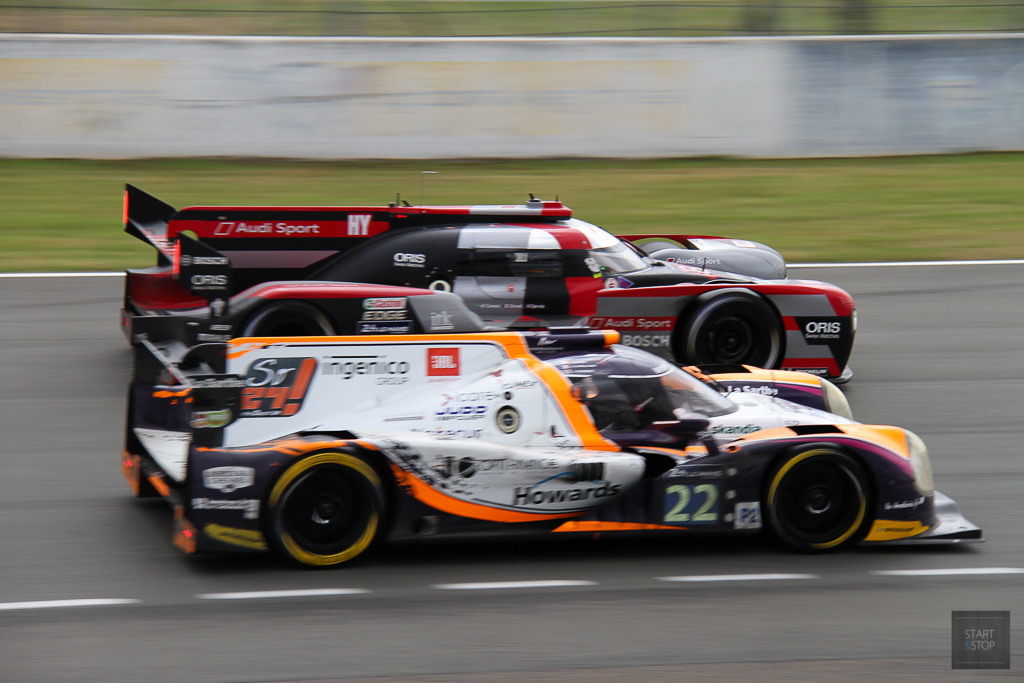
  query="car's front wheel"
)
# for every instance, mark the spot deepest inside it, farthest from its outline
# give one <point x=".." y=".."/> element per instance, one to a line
<point x="326" y="509"/>
<point x="818" y="500"/>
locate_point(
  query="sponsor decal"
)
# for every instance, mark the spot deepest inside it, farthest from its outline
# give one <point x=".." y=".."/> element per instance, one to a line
<point x="462" y="412"/>
<point x="210" y="419"/>
<point x="189" y="260"/>
<point x="276" y="387"/>
<point x="247" y="538"/>
<point x="906" y="504"/>
<point x="469" y="397"/>
<point x="820" y="372"/>
<point x="624" y="323"/>
<point x="646" y="340"/>
<point x="694" y="261"/>
<point x="383" y="371"/>
<point x="394" y="327"/>
<point x="732" y="429"/>
<point x="525" y="495"/>
<point x="511" y="289"/>
<point x="250" y="508"/>
<point x="222" y="383"/>
<point x="384" y="315"/>
<point x="359" y="224"/>
<point x="468" y="467"/>
<point x="822" y="330"/>
<point x="441" y="320"/>
<point x="519" y="384"/>
<point x="206" y="337"/>
<point x="508" y="420"/>
<point x="410" y="260"/>
<point x="698" y="472"/>
<point x="611" y="283"/>
<point x="208" y="282"/>
<point x="748" y="515"/>
<point x="747" y="389"/>
<point x="443" y="362"/>
<point x="228" y="479"/>
<point x="744" y="243"/>
<point x="385" y="303"/>
<point x="450" y="432"/>
<point x="226" y="228"/>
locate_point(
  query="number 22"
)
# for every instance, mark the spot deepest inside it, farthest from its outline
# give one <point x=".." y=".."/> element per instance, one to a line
<point x="676" y="514"/>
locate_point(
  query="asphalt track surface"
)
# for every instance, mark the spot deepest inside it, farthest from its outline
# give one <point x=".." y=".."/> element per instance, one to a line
<point x="938" y="351"/>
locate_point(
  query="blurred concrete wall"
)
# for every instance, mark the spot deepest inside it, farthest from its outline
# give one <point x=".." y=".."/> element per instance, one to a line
<point x="146" y="96"/>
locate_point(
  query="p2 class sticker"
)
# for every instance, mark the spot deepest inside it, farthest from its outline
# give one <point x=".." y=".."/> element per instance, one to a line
<point x="507" y="419"/>
<point x="748" y="515"/>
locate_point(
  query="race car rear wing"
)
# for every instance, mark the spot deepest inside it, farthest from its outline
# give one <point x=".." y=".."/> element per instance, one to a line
<point x="298" y="237"/>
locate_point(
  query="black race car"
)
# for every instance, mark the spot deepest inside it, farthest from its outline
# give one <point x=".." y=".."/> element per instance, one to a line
<point x="224" y="272"/>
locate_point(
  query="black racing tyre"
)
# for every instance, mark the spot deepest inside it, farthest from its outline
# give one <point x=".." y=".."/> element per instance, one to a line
<point x="287" y="319"/>
<point x="818" y="500"/>
<point x="326" y="509"/>
<point x="731" y="326"/>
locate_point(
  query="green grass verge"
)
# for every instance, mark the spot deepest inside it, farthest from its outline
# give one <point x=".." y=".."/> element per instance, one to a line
<point x="513" y="18"/>
<point x="66" y="215"/>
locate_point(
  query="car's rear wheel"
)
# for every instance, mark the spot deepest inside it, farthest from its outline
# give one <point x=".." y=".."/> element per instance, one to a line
<point x="818" y="500"/>
<point x="326" y="509"/>
<point x="731" y="326"/>
<point x="287" y="319"/>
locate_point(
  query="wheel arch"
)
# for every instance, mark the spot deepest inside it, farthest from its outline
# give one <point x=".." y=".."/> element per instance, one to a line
<point x="266" y="309"/>
<point x="688" y="313"/>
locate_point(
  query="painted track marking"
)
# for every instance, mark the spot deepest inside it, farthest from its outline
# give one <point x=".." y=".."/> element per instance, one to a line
<point x="494" y="585"/>
<point x="307" y="593"/>
<point x="87" y="602"/>
<point x="736" y="577"/>
<point x="965" y="571"/>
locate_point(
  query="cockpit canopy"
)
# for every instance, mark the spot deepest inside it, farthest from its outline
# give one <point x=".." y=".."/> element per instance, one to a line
<point x="626" y="390"/>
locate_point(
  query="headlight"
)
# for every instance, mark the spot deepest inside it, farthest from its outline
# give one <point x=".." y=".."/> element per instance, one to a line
<point x="854" y="320"/>
<point x="835" y="400"/>
<point x="920" y="463"/>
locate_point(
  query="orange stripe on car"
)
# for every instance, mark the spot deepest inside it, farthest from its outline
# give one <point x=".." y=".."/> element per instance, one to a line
<point x="461" y="508"/>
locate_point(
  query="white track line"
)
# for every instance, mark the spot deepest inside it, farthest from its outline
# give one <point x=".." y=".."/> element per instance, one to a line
<point x="736" y="577"/>
<point x="308" y="593"/>
<point x="879" y="264"/>
<point x="496" y="585"/>
<point x="966" y="571"/>
<point x="47" y="604"/>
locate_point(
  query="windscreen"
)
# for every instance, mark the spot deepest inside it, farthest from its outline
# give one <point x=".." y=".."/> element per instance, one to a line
<point x="629" y="389"/>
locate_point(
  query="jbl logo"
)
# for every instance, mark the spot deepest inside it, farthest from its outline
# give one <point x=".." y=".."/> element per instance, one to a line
<point x="442" y="362"/>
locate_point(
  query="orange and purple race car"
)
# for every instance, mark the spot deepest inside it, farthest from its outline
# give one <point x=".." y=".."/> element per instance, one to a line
<point x="229" y="271"/>
<point x="318" y="447"/>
